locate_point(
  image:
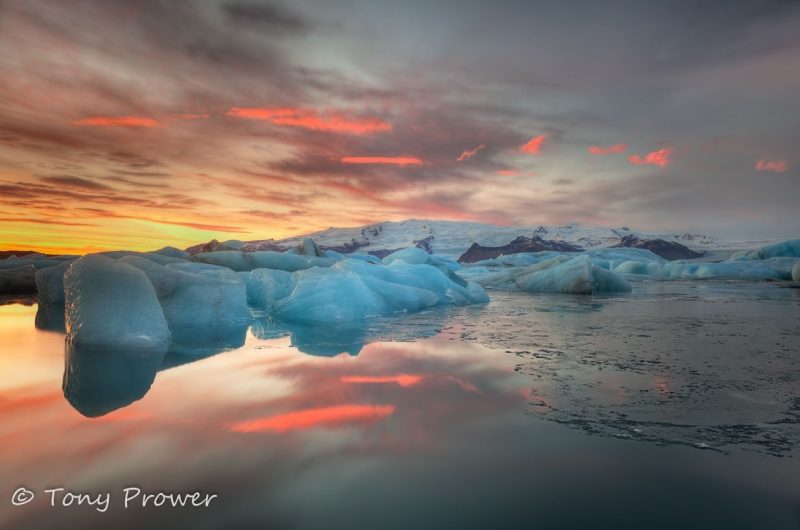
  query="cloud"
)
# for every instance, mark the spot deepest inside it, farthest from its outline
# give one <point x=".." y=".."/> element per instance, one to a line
<point x="658" y="158"/>
<point x="117" y="121"/>
<point x="190" y="116"/>
<point x="390" y="160"/>
<point x="469" y="153"/>
<point x="333" y="121"/>
<point x="611" y="150"/>
<point x="534" y="145"/>
<point x="265" y="16"/>
<point x="74" y="182"/>
<point x="772" y="165"/>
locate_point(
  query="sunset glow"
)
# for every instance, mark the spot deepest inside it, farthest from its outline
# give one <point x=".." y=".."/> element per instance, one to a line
<point x="402" y="379"/>
<point x="330" y="417"/>
<point x="118" y="121"/>
<point x="388" y="160"/>
<point x="534" y="145"/>
<point x="611" y="150"/>
<point x="311" y="119"/>
<point x="175" y="123"/>
<point x="771" y="165"/>
<point x="658" y="158"/>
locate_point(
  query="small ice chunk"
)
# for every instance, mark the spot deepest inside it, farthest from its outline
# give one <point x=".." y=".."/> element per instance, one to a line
<point x="796" y="272"/>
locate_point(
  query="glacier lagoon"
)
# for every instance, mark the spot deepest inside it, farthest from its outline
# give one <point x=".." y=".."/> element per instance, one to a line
<point x="673" y="406"/>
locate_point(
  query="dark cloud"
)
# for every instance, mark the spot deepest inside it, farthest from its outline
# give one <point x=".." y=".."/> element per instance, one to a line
<point x="265" y="16"/>
<point x="71" y="181"/>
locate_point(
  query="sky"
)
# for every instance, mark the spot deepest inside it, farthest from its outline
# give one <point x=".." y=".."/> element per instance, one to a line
<point x="139" y="124"/>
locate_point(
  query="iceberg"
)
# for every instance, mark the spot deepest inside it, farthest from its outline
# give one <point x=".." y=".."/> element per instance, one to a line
<point x="570" y="276"/>
<point x="19" y="280"/>
<point x="265" y="259"/>
<point x="266" y="286"/>
<point x="786" y="249"/>
<point x="353" y="290"/>
<point x="194" y="294"/>
<point x="50" y="284"/>
<point x="796" y="272"/>
<point x="111" y="303"/>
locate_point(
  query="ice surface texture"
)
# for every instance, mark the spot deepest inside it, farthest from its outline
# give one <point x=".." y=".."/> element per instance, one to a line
<point x="354" y="289"/>
<point x="110" y="303"/>
<point x="148" y="300"/>
<point x="609" y="270"/>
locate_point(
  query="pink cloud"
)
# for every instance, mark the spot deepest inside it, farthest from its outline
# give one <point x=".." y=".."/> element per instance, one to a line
<point x="117" y="121"/>
<point x="611" y="150"/>
<point x="390" y="160"/>
<point x="658" y="158"/>
<point x="469" y="153"/>
<point x="190" y="116"/>
<point x="534" y="145"/>
<point x="311" y="119"/>
<point x="772" y="165"/>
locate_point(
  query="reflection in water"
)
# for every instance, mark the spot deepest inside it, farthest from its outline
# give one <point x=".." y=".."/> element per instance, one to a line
<point x="438" y="424"/>
<point x="327" y="341"/>
<point x="98" y="381"/>
<point x="203" y="341"/>
<point x="316" y="417"/>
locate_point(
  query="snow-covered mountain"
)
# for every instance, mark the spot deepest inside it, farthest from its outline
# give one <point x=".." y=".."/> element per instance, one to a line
<point x="452" y="238"/>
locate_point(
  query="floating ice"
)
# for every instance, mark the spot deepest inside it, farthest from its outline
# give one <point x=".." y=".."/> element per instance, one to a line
<point x="19" y="280"/>
<point x="267" y="259"/>
<point x="195" y="294"/>
<point x="796" y="272"/>
<point x="565" y="274"/>
<point x="790" y="248"/>
<point x="354" y="290"/>
<point x="110" y="303"/>
<point x="50" y="284"/>
<point x="266" y="286"/>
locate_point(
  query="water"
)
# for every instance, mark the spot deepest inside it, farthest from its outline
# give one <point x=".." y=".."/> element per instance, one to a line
<point x="675" y="407"/>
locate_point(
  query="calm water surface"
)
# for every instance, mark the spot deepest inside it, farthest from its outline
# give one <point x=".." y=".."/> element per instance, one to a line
<point x="675" y="407"/>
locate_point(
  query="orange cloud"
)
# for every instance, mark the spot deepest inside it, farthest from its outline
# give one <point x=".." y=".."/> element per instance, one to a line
<point x="311" y="119"/>
<point x="201" y="116"/>
<point x="658" y="158"/>
<point x="507" y="172"/>
<point x="310" y="418"/>
<point x="402" y="379"/>
<point x="391" y="160"/>
<point x="611" y="150"/>
<point x="469" y="153"/>
<point x="770" y="165"/>
<point x="117" y="121"/>
<point x="534" y="145"/>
